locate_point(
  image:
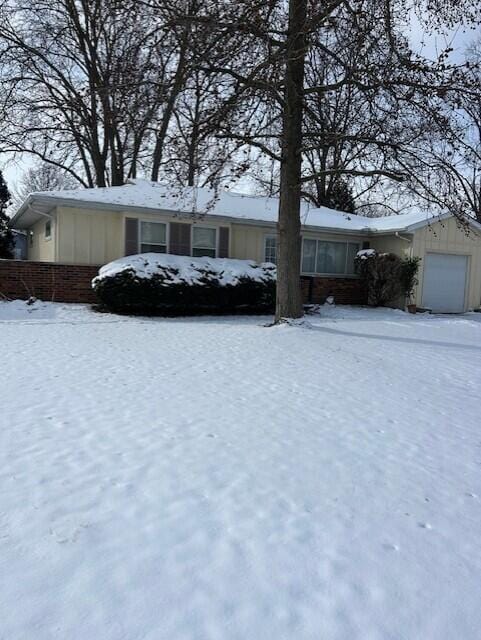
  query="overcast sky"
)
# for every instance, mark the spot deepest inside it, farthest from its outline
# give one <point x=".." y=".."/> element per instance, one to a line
<point x="429" y="46"/>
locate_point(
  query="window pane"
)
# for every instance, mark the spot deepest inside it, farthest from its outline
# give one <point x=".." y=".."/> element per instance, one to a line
<point x="321" y="262"/>
<point x="153" y="232"/>
<point x="352" y="250"/>
<point x="270" y="249"/>
<point x="198" y="253"/>
<point x="152" y="248"/>
<point x="308" y="256"/>
<point x="338" y="255"/>
<point x="331" y="257"/>
<point x="204" y="238"/>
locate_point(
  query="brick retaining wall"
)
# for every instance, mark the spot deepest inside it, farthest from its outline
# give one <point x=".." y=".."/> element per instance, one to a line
<point x="47" y="281"/>
<point x="345" y="290"/>
<point x="71" y="283"/>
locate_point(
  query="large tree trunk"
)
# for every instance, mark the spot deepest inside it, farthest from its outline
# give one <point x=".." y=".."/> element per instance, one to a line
<point x="289" y="299"/>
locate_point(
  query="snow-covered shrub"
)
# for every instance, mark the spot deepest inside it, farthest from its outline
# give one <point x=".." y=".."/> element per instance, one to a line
<point x="161" y="283"/>
<point x="383" y="276"/>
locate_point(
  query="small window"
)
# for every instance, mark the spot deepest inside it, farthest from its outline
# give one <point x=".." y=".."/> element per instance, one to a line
<point x="153" y="237"/>
<point x="48" y="229"/>
<point x="270" y="249"/>
<point x="203" y="242"/>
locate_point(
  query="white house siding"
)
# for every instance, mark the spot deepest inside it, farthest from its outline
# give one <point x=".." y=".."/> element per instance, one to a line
<point x="247" y="243"/>
<point x="40" y="248"/>
<point x="392" y="244"/>
<point x="88" y="236"/>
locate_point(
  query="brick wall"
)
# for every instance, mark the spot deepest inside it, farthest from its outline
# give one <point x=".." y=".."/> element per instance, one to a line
<point x="71" y="283"/>
<point x="47" y="281"/>
<point x="345" y="290"/>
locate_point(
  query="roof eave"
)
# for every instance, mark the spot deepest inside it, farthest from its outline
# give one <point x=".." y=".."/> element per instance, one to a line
<point x="20" y="211"/>
<point x="443" y="216"/>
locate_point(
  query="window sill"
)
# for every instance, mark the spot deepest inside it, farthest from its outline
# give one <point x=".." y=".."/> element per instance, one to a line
<point x="351" y="276"/>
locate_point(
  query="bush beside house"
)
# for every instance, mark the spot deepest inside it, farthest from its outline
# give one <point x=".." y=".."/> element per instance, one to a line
<point x="387" y="277"/>
<point x="169" y="284"/>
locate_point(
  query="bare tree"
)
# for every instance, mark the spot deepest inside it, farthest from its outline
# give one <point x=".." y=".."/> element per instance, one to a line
<point x="277" y="74"/>
<point x="450" y="159"/>
<point x="94" y="85"/>
<point x="41" y="177"/>
<point x="195" y="151"/>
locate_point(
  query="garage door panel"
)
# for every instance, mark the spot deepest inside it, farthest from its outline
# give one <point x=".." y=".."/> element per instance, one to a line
<point x="444" y="283"/>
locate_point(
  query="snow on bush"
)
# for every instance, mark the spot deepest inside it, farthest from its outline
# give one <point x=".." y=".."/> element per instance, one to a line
<point x="153" y="282"/>
<point x="364" y="254"/>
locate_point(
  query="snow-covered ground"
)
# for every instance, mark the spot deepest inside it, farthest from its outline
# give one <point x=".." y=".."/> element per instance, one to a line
<point x="214" y="479"/>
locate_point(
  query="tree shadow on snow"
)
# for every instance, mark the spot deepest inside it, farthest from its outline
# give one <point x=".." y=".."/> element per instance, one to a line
<point x="376" y="336"/>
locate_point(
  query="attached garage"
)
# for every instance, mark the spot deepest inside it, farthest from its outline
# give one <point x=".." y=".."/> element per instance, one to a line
<point x="445" y="282"/>
<point x="450" y="270"/>
<point x="449" y="277"/>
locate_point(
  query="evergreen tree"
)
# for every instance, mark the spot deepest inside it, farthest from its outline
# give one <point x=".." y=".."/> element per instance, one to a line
<point x="6" y="235"/>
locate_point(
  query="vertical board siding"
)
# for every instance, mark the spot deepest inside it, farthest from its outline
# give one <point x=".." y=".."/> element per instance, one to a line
<point x="39" y="247"/>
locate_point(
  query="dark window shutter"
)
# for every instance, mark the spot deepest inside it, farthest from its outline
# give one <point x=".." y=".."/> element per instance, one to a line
<point x="131" y="236"/>
<point x="223" y="242"/>
<point x="179" y="243"/>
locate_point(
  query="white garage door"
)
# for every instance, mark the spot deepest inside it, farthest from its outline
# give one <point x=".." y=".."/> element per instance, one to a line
<point x="444" y="283"/>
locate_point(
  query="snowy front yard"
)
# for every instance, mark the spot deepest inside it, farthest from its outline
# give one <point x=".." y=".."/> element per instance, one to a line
<point x="213" y="479"/>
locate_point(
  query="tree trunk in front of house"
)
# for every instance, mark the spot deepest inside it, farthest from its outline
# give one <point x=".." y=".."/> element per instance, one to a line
<point x="289" y="298"/>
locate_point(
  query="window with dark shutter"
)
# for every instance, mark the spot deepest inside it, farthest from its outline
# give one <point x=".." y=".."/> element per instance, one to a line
<point x="204" y="242"/>
<point x="153" y="237"/>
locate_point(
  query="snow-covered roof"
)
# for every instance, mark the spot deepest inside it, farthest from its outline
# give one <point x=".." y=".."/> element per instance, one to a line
<point x="143" y="194"/>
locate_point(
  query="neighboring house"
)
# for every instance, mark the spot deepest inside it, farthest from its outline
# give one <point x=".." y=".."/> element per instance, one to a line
<point x="20" y="245"/>
<point x="95" y="226"/>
